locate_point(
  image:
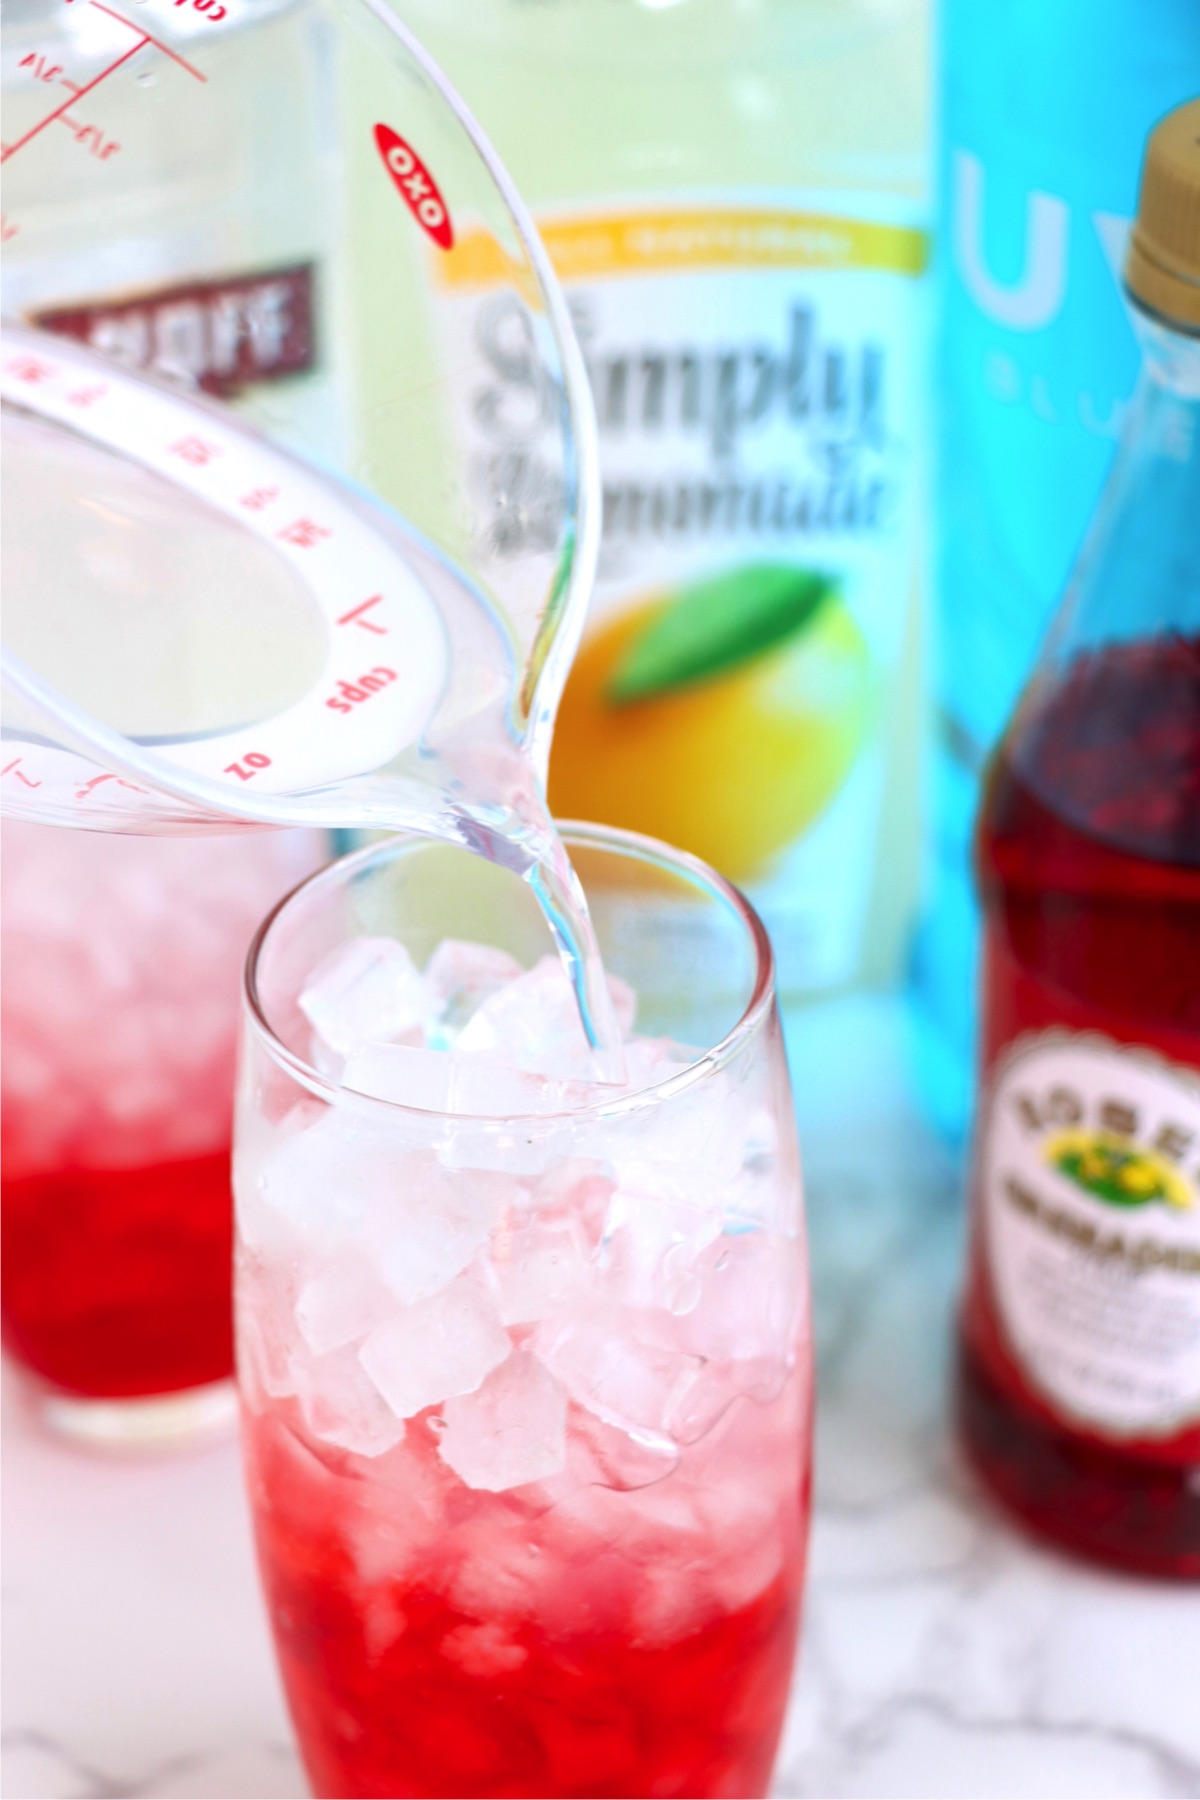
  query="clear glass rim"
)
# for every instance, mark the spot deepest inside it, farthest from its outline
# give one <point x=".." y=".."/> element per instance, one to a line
<point x="575" y="834"/>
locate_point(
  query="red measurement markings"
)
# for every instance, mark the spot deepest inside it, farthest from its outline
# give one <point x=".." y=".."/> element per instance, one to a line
<point x="304" y="533"/>
<point x="216" y="12"/>
<point x="249" y="765"/>
<point x="30" y="368"/>
<point x="84" y="793"/>
<point x="44" y="72"/>
<point x="87" y="396"/>
<point x="76" y="93"/>
<point x="14" y="768"/>
<point x="350" y="694"/>
<point x="356" y="616"/>
<point x="148" y="38"/>
<point x="194" y="451"/>
<point x="258" y="499"/>
<point x="8" y="229"/>
<point x="91" y="138"/>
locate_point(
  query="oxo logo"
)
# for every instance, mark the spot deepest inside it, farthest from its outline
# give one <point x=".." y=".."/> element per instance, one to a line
<point x="416" y="184"/>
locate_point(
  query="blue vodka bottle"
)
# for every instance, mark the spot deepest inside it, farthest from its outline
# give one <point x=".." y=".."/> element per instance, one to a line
<point x="1044" y="109"/>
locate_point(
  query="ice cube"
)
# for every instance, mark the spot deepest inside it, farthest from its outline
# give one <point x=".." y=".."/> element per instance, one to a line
<point x="699" y="1404"/>
<point x="745" y="1328"/>
<point x="614" y="1458"/>
<point x="401" y="1074"/>
<point x="341" y="1302"/>
<point x="747" y="1504"/>
<point x="459" y="977"/>
<point x="264" y="1348"/>
<point x="536" y="1264"/>
<point x="483" y="1086"/>
<point x="511" y="1431"/>
<point x="428" y="1226"/>
<point x="367" y="991"/>
<point x="435" y="1349"/>
<point x="485" y="1650"/>
<point x="397" y="1523"/>
<point x="498" y="1574"/>
<point x="750" y="1309"/>
<point x="340" y="1405"/>
<point x="383" y="1622"/>
<point x="652" y="1240"/>
<point x="525" y="1147"/>
<point x="467" y="1084"/>
<point x="698" y="1135"/>
<point x="747" y="1562"/>
<point x="759" y="1201"/>
<point x="318" y="1183"/>
<point x="670" y="1603"/>
<point x="608" y="1370"/>
<point x="579" y="1188"/>
<point x="535" y="1018"/>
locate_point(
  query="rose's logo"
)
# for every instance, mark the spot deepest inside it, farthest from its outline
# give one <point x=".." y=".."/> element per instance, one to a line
<point x="1113" y="1169"/>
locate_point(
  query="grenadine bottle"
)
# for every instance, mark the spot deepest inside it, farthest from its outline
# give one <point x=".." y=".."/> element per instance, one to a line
<point x="1079" y="1349"/>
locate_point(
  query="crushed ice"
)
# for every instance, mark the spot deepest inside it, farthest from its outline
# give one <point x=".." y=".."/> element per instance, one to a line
<point x="552" y="1294"/>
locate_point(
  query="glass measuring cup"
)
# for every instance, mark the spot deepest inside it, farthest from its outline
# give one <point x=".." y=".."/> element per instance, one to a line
<point x="353" y="653"/>
<point x="202" y="626"/>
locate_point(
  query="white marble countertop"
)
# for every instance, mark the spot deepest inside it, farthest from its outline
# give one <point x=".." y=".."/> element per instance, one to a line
<point x="943" y="1654"/>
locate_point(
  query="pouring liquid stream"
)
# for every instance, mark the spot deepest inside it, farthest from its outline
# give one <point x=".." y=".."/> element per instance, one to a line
<point x="201" y="631"/>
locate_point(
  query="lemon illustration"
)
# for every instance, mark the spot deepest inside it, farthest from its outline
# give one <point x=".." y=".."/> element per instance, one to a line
<point x="1115" y="1170"/>
<point x="723" y="717"/>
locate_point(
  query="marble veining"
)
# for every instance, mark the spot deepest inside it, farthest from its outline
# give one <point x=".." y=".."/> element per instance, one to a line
<point x="943" y="1653"/>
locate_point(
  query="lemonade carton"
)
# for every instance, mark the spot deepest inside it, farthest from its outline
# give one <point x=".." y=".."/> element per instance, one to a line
<point x="734" y="202"/>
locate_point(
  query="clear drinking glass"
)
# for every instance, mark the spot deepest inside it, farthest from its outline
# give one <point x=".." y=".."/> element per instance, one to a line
<point x="120" y="1021"/>
<point x="527" y="1399"/>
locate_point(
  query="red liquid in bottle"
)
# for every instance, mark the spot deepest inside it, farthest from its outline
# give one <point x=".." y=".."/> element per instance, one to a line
<point x="116" y="1282"/>
<point x="1089" y="859"/>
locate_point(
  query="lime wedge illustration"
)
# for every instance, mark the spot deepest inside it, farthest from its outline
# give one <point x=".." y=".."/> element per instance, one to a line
<point x="714" y="626"/>
<point x="1116" y="1171"/>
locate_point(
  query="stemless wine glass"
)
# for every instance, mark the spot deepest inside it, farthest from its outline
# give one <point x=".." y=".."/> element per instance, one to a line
<point x="119" y="1015"/>
<point x="254" y="570"/>
<point x="527" y="1398"/>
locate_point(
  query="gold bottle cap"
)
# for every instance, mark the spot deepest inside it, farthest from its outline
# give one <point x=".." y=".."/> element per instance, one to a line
<point x="1162" y="268"/>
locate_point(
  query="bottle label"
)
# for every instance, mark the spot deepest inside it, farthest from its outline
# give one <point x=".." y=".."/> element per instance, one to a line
<point x="1089" y="1170"/>
<point x="221" y="334"/>
<point x="757" y="394"/>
